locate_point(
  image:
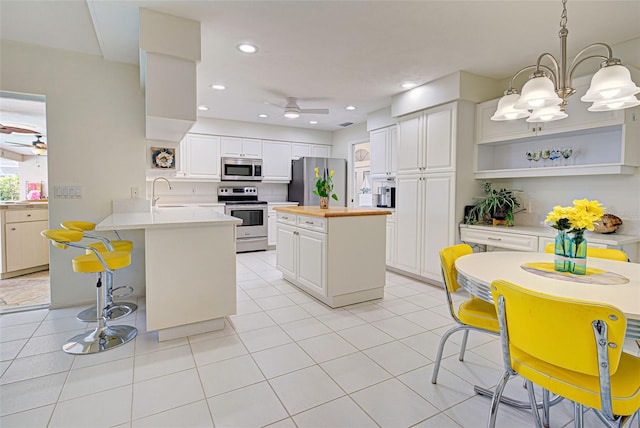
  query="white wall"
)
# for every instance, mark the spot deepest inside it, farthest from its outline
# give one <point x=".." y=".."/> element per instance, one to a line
<point x="95" y="139"/>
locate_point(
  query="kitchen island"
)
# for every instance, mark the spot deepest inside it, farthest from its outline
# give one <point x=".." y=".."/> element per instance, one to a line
<point x="336" y="255"/>
<point x="190" y="267"/>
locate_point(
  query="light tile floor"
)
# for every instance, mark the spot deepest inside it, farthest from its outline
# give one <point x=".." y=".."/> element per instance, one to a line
<point x="284" y="360"/>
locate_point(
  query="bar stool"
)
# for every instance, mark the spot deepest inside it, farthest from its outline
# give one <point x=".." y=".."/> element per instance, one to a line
<point x="104" y="245"/>
<point x="103" y="337"/>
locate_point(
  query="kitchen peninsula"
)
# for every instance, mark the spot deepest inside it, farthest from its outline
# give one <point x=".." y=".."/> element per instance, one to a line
<point x="337" y="255"/>
<point x="190" y="267"/>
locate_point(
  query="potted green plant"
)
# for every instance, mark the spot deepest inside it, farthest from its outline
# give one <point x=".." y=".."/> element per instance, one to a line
<point x="495" y="204"/>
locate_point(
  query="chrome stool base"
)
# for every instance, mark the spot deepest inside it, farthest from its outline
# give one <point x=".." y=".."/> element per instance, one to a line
<point x="100" y="340"/>
<point x="118" y="310"/>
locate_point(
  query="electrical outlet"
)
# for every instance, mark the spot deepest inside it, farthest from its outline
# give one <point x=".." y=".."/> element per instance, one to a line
<point x="134" y="192"/>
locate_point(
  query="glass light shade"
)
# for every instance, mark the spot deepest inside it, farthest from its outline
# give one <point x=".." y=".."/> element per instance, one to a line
<point x="38" y="151"/>
<point x="617" y="104"/>
<point x="547" y="114"/>
<point x="537" y="93"/>
<point x="505" y="110"/>
<point x="611" y="82"/>
<point x="291" y="114"/>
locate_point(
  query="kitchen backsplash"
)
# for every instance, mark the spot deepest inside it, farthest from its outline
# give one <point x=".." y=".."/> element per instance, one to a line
<point x="196" y="192"/>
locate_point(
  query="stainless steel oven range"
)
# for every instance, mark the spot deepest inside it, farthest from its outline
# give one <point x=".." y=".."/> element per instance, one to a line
<point x="243" y="203"/>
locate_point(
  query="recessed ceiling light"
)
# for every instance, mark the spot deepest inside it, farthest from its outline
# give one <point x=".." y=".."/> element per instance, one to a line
<point x="408" y="85"/>
<point x="262" y="115"/>
<point x="247" y="48"/>
<point x="218" y="87"/>
<point x="203" y="108"/>
<point x="291" y="115"/>
<point x="350" y="107"/>
<point x="313" y="122"/>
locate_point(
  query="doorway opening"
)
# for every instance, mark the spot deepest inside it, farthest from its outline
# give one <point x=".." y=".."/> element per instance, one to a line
<point x="361" y="156"/>
<point x="24" y="209"/>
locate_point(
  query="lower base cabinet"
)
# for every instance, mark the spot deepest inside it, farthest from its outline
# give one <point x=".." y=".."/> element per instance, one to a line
<point x="23" y="249"/>
<point x="338" y="260"/>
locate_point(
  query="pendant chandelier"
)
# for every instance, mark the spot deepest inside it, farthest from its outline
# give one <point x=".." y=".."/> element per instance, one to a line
<point x="544" y="95"/>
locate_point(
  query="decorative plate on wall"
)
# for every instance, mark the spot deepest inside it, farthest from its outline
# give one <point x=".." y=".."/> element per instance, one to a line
<point x="163" y="158"/>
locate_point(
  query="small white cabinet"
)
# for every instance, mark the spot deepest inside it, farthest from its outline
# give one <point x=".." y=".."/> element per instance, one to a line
<point x="24" y="250"/>
<point x="241" y="147"/>
<point x="426" y="141"/>
<point x="276" y="161"/>
<point x="272" y="219"/>
<point x="201" y="157"/>
<point x="384" y="147"/>
<point x="318" y="151"/>
<point x="300" y="150"/>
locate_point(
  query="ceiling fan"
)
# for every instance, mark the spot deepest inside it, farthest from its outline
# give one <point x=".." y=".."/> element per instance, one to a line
<point x="9" y="129"/>
<point x="292" y="110"/>
<point x="38" y="147"/>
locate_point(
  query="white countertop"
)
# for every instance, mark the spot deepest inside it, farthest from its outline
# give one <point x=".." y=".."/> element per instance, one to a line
<point x="167" y="217"/>
<point x="614" y="239"/>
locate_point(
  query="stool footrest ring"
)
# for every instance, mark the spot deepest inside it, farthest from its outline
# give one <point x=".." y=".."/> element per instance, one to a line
<point x="128" y="293"/>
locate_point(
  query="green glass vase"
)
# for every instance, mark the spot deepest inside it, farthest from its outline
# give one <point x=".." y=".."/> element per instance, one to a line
<point x="578" y="253"/>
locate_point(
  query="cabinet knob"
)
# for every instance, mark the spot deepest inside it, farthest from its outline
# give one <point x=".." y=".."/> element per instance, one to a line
<point x="28" y="215"/>
<point x="13" y="228"/>
<point x="539" y="128"/>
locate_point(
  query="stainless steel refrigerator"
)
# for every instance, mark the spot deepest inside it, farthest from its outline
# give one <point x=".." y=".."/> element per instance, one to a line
<point x="303" y="180"/>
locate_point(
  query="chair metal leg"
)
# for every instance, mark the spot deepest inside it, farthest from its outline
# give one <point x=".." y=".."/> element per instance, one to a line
<point x="534" y="407"/>
<point x="463" y="347"/>
<point x="103" y="337"/>
<point x="443" y="340"/>
<point x="114" y="310"/>
<point x="545" y="408"/>
<point x="495" y="401"/>
<point x="578" y="419"/>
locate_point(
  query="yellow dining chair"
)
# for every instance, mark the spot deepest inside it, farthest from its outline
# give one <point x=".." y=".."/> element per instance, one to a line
<point x="473" y="314"/>
<point x="569" y="347"/>
<point x="104" y="245"/>
<point x="600" y="253"/>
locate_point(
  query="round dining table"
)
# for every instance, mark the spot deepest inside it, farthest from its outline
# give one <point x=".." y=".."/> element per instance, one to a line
<point x="607" y="281"/>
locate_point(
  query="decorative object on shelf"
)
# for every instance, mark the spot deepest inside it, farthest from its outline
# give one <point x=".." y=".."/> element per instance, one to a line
<point x="609" y="223"/>
<point x="497" y="205"/>
<point x="163" y="158"/>
<point x="544" y="95"/>
<point x="582" y="215"/>
<point x="324" y="187"/>
<point x="34" y="190"/>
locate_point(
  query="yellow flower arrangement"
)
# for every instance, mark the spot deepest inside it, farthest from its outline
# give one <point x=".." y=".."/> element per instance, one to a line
<point x="579" y="217"/>
<point x="324" y="184"/>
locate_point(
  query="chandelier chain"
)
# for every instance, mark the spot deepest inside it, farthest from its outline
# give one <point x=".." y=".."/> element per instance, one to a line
<point x="563" y="16"/>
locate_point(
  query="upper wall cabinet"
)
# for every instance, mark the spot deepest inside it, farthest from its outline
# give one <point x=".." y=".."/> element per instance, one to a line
<point x="241" y="147"/>
<point x="276" y="161"/>
<point x="200" y="158"/>
<point x="426" y="141"/>
<point x="301" y="150"/>
<point x="584" y="143"/>
<point x="489" y="131"/>
<point x="384" y="147"/>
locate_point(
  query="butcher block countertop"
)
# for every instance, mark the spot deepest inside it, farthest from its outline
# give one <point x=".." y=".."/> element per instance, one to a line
<point x="315" y="211"/>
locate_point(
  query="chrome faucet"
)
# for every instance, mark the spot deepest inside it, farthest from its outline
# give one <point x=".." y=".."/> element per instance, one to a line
<point x="154" y="200"/>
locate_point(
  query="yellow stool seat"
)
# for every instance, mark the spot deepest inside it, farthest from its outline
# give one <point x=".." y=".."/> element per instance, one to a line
<point x="83" y="226"/>
<point x="118" y="245"/>
<point x="89" y="263"/>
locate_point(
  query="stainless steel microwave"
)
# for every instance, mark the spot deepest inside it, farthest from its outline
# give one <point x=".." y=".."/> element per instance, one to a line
<point x="241" y="169"/>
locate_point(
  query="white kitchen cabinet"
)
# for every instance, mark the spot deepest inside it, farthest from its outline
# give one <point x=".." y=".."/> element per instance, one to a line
<point x="23" y="249"/>
<point x="276" y="161"/>
<point x="338" y="260"/>
<point x="602" y="142"/>
<point x="391" y="240"/>
<point x="384" y="146"/>
<point x="318" y="151"/>
<point x="425" y="213"/>
<point x="272" y="219"/>
<point x="200" y="157"/>
<point x="237" y="147"/>
<point x="302" y="254"/>
<point x="300" y="150"/>
<point x="426" y="140"/>
<point x="536" y="238"/>
<point x="433" y="183"/>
